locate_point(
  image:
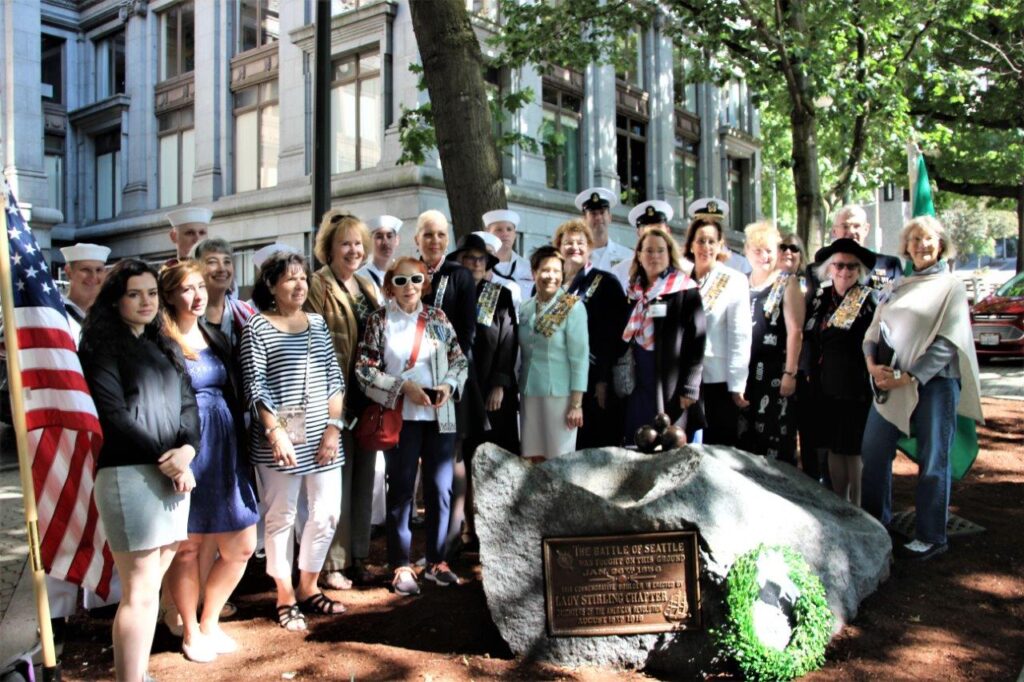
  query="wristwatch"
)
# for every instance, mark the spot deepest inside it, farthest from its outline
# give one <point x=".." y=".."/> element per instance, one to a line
<point x="337" y="423"/>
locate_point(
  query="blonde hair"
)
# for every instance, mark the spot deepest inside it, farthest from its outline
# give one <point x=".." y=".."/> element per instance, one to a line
<point x="674" y="259"/>
<point x="333" y="223"/>
<point x="761" y="234"/>
<point x="931" y="224"/>
<point x="432" y="216"/>
<point x="171" y="278"/>
<point x="573" y="226"/>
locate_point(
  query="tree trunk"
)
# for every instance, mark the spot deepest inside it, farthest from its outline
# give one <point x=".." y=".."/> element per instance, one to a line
<point x="806" y="178"/>
<point x="453" y="71"/>
<point x="1020" y="227"/>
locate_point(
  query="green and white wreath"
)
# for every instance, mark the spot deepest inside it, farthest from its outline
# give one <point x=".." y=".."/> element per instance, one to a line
<point x="778" y="622"/>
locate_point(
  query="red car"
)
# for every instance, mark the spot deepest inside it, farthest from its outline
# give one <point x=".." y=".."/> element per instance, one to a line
<point x="998" y="321"/>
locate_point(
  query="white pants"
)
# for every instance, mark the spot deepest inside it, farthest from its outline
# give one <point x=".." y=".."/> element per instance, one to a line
<point x="544" y="433"/>
<point x="281" y="497"/>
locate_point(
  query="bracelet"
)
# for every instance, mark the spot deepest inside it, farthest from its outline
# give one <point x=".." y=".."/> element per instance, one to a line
<point x="574" y="406"/>
<point x="275" y="427"/>
<point x="788" y="373"/>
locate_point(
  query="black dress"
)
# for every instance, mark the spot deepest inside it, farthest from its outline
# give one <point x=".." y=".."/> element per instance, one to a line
<point x="607" y="313"/>
<point x="768" y="425"/>
<point x="494" y="360"/>
<point x="457" y="299"/>
<point x="839" y="386"/>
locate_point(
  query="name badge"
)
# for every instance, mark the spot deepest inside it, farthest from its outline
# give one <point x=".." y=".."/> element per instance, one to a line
<point x="658" y="310"/>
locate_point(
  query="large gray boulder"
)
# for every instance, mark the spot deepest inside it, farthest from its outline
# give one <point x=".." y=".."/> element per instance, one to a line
<point x="736" y="500"/>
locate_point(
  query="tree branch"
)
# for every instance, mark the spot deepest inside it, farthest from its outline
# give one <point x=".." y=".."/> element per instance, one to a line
<point x="1012" y="122"/>
<point x="975" y="189"/>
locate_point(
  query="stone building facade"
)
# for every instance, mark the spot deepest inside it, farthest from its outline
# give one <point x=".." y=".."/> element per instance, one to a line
<point x="116" y="111"/>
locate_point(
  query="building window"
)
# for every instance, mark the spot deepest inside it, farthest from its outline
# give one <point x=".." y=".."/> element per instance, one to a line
<point x="258" y="23"/>
<point x="356" y="113"/>
<point x="560" y="136"/>
<point x="256" y="137"/>
<point x="110" y="65"/>
<point x="53" y="163"/>
<point x="738" y="176"/>
<point x="631" y="148"/>
<point x="685" y="172"/>
<point x="632" y="71"/>
<point x="52" y="72"/>
<point x="177" y="41"/>
<point x="684" y="94"/>
<point x="108" y="174"/>
<point x="177" y="156"/>
<point x="730" y="112"/>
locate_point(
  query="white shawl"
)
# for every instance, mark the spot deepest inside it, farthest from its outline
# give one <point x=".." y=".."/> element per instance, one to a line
<point x="920" y="308"/>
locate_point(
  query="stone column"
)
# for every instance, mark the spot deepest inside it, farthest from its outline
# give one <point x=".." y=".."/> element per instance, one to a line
<point x="213" y="99"/>
<point x="528" y="167"/>
<point x="661" y="128"/>
<point x="140" y="153"/>
<point x="22" y="110"/>
<point x="599" y="155"/>
<point x="292" y="96"/>
<point x="709" y="171"/>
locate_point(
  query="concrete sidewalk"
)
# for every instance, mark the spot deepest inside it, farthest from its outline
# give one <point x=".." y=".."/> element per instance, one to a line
<point x="17" y="603"/>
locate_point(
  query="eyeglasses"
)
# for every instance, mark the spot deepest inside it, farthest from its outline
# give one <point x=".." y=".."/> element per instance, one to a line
<point x="846" y="266"/>
<point x="474" y="259"/>
<point x="792" y="248"/>
<point x="402" y="280"/>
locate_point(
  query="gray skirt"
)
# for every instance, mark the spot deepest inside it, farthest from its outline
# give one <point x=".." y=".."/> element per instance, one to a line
<point x="139" y="508"/>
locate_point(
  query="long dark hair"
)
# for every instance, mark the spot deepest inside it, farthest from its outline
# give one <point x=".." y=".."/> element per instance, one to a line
<point x="103" y="326"/>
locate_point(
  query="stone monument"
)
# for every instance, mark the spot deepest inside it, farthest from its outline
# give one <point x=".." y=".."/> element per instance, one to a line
<point x="733" y="500"/>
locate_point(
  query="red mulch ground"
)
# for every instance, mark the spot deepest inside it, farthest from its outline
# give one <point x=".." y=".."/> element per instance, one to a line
<point x="960" y="616"/>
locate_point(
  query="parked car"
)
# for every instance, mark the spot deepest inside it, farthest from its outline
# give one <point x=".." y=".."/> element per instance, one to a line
<point x="998" y="321"/>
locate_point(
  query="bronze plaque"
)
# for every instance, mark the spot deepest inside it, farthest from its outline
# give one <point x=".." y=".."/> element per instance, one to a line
<point x="622" y="584"/>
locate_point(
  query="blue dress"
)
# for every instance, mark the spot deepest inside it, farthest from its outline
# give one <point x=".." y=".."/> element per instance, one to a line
<point x="224" y="499"/>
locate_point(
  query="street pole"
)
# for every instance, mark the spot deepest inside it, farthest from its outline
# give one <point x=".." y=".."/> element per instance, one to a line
<point x="321" y="117"/>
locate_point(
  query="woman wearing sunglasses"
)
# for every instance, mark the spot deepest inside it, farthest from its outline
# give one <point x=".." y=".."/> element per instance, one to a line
<point x="768" y="424"/>
<point x="410" y="360"/>
<point x="840" y="394"/>
<point x="792" y="259"/>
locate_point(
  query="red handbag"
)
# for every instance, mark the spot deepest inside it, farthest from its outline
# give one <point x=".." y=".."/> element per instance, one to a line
<point x="379" y="426"/>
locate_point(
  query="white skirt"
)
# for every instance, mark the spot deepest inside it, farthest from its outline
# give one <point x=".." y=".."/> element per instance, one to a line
<point x="544" y="433"/>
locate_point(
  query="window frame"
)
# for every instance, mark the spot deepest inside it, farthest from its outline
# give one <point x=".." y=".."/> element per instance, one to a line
<point x="631" y="137"/>
<point x="261" y="9"/>
<point x="359" y="78"/>
<point x="105" y="51"/>
<point x="558" y="109"/>
<point x="100" y="146"/>
<point x="178" y="11"/>
<point x="258" y="107"/>
<point x="58" y="46"/>
<point x="178" y="130"/>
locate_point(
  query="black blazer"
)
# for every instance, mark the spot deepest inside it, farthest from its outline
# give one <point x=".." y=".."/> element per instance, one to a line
<point x="234" y="392"/>
<point x="145" y="404"/>
<point x="496" y="347"/>
<point x="607" y="314"/>
<point x="459" y="302"/>
<point x="679" y="349"/>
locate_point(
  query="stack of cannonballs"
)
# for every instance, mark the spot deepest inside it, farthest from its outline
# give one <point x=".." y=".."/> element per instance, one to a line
<point x="661" y="436"/>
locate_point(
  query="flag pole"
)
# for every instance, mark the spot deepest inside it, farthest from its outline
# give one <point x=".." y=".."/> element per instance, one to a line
<point x="51" y="670"/>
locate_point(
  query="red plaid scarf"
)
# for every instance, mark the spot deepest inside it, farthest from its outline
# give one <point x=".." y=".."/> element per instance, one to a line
<point x="641" y="324"/>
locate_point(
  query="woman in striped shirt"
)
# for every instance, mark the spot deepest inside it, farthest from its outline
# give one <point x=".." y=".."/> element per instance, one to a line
<point x="295" y="391"/>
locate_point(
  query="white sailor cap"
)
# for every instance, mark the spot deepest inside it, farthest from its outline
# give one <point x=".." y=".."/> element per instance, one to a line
<point x="77" y="252"/>
<point x="708" y="207"/>
<point x="184" y="216"/>
<point x="384" y="222"/>
<point x="653" y="212"/>
<point x="268" y="250"/>
<point x="501" y="215"/>
<point x="596" y="198"/>
<point x="492" y="241"/>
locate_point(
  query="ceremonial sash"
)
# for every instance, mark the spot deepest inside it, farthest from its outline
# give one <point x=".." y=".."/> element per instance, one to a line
<point x="712" y="288"/>
<point x="487" y="303"/>
<point x="554" y="315"/>
<point x="845" y="315"/>
<point x="778" y="290"/>
<point x="441" y="286"/>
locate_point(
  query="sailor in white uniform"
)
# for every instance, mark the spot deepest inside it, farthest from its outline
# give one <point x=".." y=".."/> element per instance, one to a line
<point x="384" y="229"/>
<point x="645" y="215"/>
<point x="596" y="204"/>
<point x="493" y="243"/>
<point x="503" y="224"/>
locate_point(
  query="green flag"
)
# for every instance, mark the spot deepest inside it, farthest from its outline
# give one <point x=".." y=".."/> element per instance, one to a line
<point x="965" y="447"/>
<point x="922" y="204"/>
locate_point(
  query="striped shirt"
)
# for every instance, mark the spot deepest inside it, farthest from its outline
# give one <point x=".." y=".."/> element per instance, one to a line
<point x="274" y="369"/>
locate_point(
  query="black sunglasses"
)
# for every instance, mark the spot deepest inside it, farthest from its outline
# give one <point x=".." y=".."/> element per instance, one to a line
<point x="846" y="266"/>
<point x="402" y="280"/>
<point x="792" y="248"/>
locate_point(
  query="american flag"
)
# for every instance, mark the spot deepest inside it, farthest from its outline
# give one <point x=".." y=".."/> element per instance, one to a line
<point x="64" y="435"/>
